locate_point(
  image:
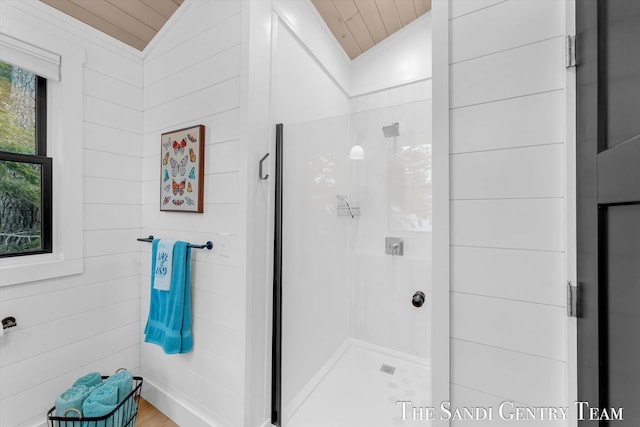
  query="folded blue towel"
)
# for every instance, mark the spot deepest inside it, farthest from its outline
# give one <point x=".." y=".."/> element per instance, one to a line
<point x="72" y="398"/>
<point x="124" y="381"/>
<point x="102" y="400"/>
<point x="169" y="320"/>
<point x="89" y="380"/>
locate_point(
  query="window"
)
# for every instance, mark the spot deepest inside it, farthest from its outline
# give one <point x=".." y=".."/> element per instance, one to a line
<point x="25" y="169"/>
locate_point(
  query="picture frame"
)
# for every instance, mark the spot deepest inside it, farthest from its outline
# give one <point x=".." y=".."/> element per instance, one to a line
<point x="182" y="170"/>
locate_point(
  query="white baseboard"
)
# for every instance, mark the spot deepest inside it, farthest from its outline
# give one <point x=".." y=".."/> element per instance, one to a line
<point x="179" y="411"/>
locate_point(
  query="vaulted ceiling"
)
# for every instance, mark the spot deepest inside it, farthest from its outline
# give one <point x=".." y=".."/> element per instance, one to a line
<point x="358" y="25"/>
<point x="134" y="22"/>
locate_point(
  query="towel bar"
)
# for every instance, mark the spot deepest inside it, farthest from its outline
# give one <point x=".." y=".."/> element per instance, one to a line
<point x="208" y="245"/>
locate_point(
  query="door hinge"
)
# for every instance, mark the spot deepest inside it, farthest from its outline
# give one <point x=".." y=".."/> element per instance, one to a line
<point x="572" y="300"/>
<point x="570" y="51"/>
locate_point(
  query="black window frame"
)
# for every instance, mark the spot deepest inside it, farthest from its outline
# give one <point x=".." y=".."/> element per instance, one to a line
<point x="46" y="172"/>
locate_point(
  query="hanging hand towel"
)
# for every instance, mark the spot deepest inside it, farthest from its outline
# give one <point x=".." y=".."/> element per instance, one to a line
<point x="163" y="256"/>
<point x="169" y="320"/>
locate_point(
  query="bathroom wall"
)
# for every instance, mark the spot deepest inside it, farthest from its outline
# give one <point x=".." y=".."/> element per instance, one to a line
<point x="508" y="202"/>
<point x="192" y="76"/>
<point x="72" y="325"/>
<point x="393" y="188"/>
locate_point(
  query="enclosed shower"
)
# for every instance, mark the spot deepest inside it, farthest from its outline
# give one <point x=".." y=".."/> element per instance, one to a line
<point x="355" y="221"/>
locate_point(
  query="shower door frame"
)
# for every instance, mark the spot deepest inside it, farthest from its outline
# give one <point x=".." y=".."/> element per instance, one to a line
<point x="440" y="318"/>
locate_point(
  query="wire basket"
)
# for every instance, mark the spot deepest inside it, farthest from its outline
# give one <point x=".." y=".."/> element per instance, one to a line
<point x="123" y="415"/>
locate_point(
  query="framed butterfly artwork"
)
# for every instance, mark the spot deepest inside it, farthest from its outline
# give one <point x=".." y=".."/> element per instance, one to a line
<point x="182" y="170"/>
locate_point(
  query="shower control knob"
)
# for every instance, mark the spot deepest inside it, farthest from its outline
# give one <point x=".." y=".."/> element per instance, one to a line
<point x="418" y="299"/>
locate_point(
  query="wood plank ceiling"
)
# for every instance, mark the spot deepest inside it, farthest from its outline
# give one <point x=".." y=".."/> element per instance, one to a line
<point x="134" y="22"/>
<point x="358" y="25"/>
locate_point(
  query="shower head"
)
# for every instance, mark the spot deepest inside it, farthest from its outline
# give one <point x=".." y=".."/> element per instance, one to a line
<point x="392" y="130"/>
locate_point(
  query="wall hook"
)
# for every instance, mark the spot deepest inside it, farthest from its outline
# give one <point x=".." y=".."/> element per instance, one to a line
<point x="263" y="177"/>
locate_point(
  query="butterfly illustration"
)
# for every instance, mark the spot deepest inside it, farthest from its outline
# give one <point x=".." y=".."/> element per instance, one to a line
<point x="192" y="155"/>
<point x="178" y="188"/>
<point x="192" y="173"/>
<point x="167" y="144"/>
<point x="166" y="159"/>
<point x="167" y="188"/>
<point x="178" y="147"/>
<point x="189" y="201"/>
<point x="166" y="175"/>
<point x="177" y="202"/>
<point x="191" y="138"/>
<point x="189" y="188"/>
<point x="178" y="168"/>
<point x="166" y="200"/>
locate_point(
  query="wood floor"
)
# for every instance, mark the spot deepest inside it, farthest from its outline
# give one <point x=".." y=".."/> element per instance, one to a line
<point x="149" y="416"/>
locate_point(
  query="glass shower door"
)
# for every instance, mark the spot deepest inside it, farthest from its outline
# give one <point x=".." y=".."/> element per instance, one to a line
<point x="356" y="268"/>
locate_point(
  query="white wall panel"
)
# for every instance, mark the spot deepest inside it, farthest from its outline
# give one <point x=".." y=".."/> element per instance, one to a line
<point x="517" y="72"/>
<point x="217" y="98"/>
<point x="204" y="45"/>
<point x="219" y="67"/>
<point x="505" y="26"/>
<point x="72" y="325"/>
<point x="508" y="172"/>
<point x="462" y="397"/>
<point x="532" y="328"/>
<point x="462" y="7"/>
<point x="532" y="380"/>
<point x="535" y="224"/>
<point x="534" y="276"/>
<point x="514" y="173"/>
<point x="518" y="122"/>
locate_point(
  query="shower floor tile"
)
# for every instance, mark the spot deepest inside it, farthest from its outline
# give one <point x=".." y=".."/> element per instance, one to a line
<point x="362" y="390"/>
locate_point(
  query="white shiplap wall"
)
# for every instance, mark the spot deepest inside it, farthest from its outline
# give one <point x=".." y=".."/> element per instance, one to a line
<point x="89" y="322"/>
<point x="508" y="338"/>
<point x="192" y="76"/>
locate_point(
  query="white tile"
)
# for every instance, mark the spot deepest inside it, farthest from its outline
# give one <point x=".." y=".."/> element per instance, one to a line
<point x="536" y="224"/>
<point x="532" y="276"/>
<point x="522" y="172"/>
<point x="532" y="380"/>
<point x="523" y="71"/>
<point x="524" y="121"/>
<point x="505" y="26"/>
<point x="513" y="325"/>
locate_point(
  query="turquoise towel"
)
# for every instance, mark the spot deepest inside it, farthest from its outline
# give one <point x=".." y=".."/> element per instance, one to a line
<point x="169" y="321"/>
<point x="102" y="400"/>
<point x="124" y="381"/>
<point x="89" y="380"/>
<point x="71" y="399"/>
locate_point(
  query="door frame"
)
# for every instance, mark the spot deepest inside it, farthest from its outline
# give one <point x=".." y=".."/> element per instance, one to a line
<point x="571" y="247"/>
